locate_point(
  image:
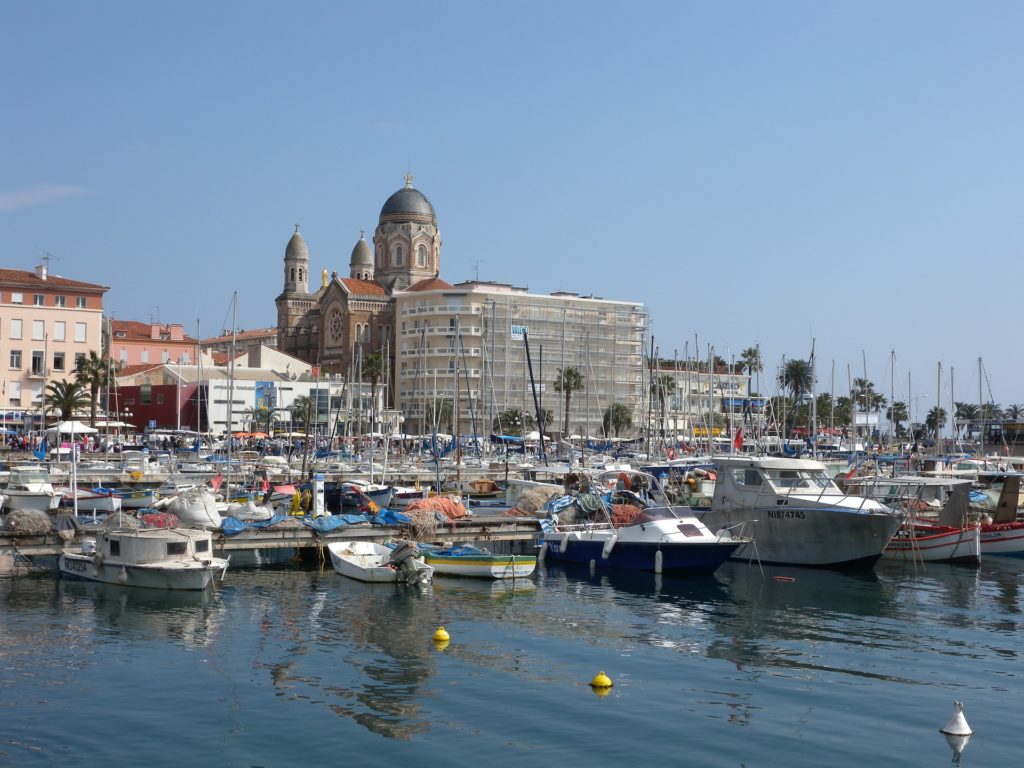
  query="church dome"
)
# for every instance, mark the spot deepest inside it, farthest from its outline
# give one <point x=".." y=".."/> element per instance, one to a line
<point x="296" y="247"/>
<point x="408" y="204"/>
<point x="362" y="256"/>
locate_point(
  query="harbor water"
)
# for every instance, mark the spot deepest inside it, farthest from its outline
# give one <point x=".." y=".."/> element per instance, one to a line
<point x="283" y="667"/>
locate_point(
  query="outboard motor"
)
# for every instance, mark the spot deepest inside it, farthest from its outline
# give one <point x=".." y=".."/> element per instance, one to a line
<point x="403" y="558"/>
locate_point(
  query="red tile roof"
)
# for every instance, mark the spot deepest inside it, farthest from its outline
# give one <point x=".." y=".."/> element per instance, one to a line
<point x="132" y="370"/>
<point x="20" y="277"/>
<point x="429" y="284"/>
<point x="136" y="331"/>
<point x="363" y="287"/>
<point x="256" y="333"/>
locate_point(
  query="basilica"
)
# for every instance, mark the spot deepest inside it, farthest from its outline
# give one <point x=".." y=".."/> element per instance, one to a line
<point x="345" y="318"/>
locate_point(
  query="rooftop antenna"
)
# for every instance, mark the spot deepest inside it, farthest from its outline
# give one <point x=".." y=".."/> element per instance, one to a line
<point x="157" y="308"/>
<point x="476" y="265"/>
<point x="47" y="258"/>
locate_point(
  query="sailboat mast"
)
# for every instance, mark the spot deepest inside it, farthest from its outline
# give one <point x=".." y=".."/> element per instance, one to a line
<point x="231" y="394"/>
<point x="981" y="412"/>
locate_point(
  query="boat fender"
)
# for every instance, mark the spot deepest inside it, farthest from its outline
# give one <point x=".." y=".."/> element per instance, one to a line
<point x="543" y="552"/>
<point x="657" y="561"/>
<point x="122" y="577"/>
<point x="609" y="545"/>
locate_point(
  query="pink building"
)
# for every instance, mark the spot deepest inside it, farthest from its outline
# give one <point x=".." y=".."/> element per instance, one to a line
<point x="47" y="323"/>
<point x="133" y="343"/>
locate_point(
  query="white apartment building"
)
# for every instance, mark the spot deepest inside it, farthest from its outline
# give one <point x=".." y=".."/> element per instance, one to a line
<point x="478" y="333"/>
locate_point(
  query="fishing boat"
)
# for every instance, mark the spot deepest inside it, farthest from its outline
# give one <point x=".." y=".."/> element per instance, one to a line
<point x="1002" y="533"/>
<point x="372" y="562"/>
<point x="94" y="500"/>
<point x="635" y="528"/>
<point x="135" y="498"/>
<point x="30" y="489"/>
<point x="937" y="525"/>
<point x="157" y="558"/>
<point x="796" y="514"/>
<point x="466" y="560"/>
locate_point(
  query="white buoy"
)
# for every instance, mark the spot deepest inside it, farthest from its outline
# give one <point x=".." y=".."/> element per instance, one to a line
<point x="609" y="545"/>
<point x="957" y="725"/>
<point x="958" y="744"/>
<point x="657" y="561"/>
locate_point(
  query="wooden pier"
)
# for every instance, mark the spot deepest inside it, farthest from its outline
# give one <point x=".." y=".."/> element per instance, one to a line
<point x="477" y="529"/>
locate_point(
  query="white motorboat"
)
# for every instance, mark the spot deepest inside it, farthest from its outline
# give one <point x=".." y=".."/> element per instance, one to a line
<point x="30" y="489"/>
<point x="796" y="514"/>
<point x="369" y="561"/>
<point x="634" y="527"/>
<point x="93" y="500"/>
<point x="157" y="558"/>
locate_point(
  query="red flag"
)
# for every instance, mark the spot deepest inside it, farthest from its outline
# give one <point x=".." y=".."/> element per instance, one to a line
<point x="215" y="482"/>
<point x="737" y="441"/>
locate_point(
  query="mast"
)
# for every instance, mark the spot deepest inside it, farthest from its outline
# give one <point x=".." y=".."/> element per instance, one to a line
<point x="231" y="394"/>
<point x="938" y="405"/>
<point x="981" y="412"/>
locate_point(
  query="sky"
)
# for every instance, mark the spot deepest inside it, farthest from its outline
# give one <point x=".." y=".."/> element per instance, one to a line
<point x="842" y="174"/>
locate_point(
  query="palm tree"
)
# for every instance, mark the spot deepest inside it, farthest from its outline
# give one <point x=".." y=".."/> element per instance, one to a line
<point x="963" y="414"/>
<point x="568" y="381"/>
<point x="751" y="362"/>
<point x="663" y="387"/>
<point x="936" y="419"/>
<point x="844" y="410"/>
<point x="302" y="412"/>
<point x="442" y="412"/>
<point x="617" y="417"/>
<point x="898" y="413"/>
<point x="796" y="377"/>
<point x="373" y="369"/>
<point x="68" y="397"/>
<point x="93" y="372"/>
<point x="513" y="422"/>
<point x="1015" y="411"/>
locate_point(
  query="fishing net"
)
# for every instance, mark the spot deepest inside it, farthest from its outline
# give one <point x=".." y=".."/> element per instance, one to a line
<point x="27" y="522"/>
<point x="534" y="499"/>
<point x="160" y="520"/>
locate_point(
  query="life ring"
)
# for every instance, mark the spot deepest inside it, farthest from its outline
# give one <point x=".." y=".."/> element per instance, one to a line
<point x="136" y="475"/>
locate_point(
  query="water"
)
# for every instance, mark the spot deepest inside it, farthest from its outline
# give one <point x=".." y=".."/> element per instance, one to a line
<point x="282" y="667"/>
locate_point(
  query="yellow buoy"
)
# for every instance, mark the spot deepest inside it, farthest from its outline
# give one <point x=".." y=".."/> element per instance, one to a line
<point x="601" y="681"/>
<point x="441" y="636"/>
<point x="440" y="645"/>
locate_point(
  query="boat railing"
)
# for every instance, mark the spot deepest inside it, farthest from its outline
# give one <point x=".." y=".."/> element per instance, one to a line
<point x="802" y="496"/>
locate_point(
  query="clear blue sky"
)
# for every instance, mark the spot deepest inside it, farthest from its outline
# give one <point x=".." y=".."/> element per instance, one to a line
<point x="755" y="173"/>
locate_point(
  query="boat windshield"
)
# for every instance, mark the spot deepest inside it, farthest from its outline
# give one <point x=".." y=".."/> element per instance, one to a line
<point x="815" y="479"/>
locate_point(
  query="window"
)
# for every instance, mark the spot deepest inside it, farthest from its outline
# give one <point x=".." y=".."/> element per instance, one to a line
<point x="396" y="256"/>
<point x="421" y="256"/>
<point x="60" y="301"/>
<point x="15" y="329"/>
<point x="176" y="548"/>
<point x="15" y="393"/>
<point x="165" y="357"/>
<point x="38" y="330"/>
<point x="115" y="546"/>
<point x="17" y="298"/>
<point x="79" y="357"/>
<point x="159" y="398"/>
<point x="58" y="361"/>
<point x="202" y="546"/>
<point x="38" y="300"/>
<point x="146" y="394"/>
<point x="80" y="302"/>
<point x="16" y="359"/>
<point x="123" y="355"/>
<point x="144" y="357"/>
<point x="79" y="331"/>
<point x="38" y="363"/>
<point x="60" y="331"/>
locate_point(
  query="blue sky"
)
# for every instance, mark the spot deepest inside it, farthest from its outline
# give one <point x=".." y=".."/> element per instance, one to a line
<point x="755" y="173"/>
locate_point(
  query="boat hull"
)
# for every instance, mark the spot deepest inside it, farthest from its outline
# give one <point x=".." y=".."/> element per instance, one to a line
<point x="189" y="576"/>
<point x="31" y="501"/>
<point x="811" y="536"/>
<point x="482" y="566"/>
<point x="1006" y="539"/>
<point x="590" y="547"/>
<point x="367" y="562"/>
<point x="930" y="544"/>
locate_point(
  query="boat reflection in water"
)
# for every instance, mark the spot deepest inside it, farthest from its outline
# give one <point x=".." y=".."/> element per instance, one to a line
<point x="191" y="617"/>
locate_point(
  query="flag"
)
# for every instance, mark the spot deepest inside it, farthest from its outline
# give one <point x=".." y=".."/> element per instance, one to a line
<point x="215" y="482"/>
<point x="737" y="441"/>
<point x="40" y="452"/>
<point x="852" y="466"/>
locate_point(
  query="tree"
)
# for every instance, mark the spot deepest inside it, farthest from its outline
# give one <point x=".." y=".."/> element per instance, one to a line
<point x="302" y="412"/>
<point x="844" y="410"/>
<point x="864" y="394"/>
<point x="69" y="397"/>
<point x="1015" y="411"/>
<point x="617" y="418"/>
<point x="898" y="413"/>
<point x="751" y="362"/>
<point x="796" y="377"/>
<point x="442" y="412"/>
<point x="568" y="381"/>
<point x="936" y="419"/>
<point x="513" y="422"/>
<point x="373" y="369"/>
<point x="662" y="388"/>
<point x="93" y="372"/>
<point x="963" y="414"/>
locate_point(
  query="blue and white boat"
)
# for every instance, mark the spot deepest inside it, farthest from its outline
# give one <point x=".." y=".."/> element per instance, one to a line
<point x="626" y="521"/>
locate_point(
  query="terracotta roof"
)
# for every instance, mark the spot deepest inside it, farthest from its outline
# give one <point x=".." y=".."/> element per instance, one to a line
<point x="221" y="358"/>
<point x="256" y="333"/>
<point x="429" y="284"/>
<point x="22" y="277"/>
<point x="132" y="370"/>
<point x="136" y="331"/>
<point x="363" y="287"/>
